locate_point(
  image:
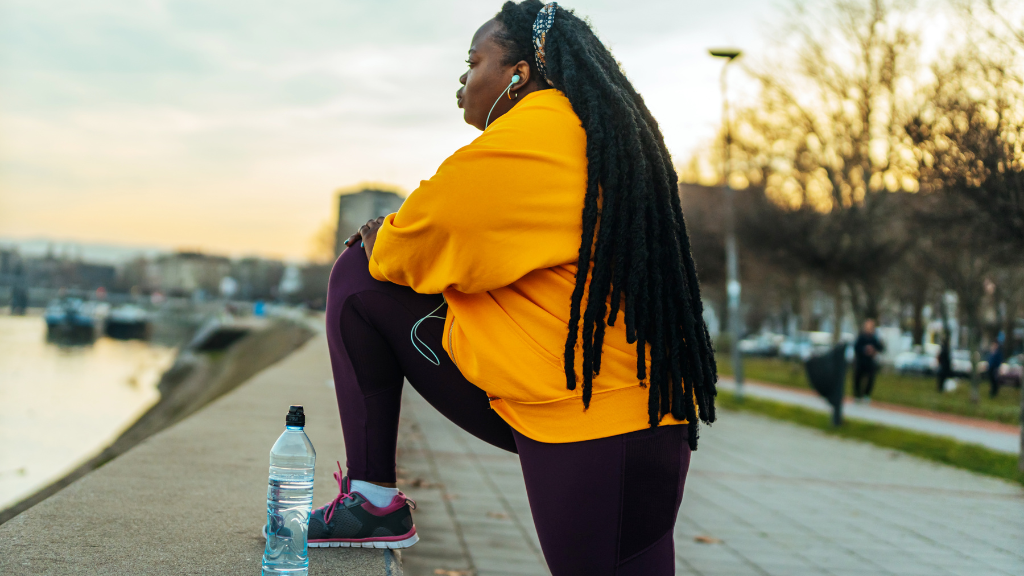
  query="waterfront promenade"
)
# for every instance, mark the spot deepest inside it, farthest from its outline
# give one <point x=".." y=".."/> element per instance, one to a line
<point x="763" y="498"/>
<point x="192" y="499"/>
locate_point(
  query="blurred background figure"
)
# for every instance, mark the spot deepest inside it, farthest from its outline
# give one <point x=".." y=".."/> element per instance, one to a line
<point x="865" y="350"/>
<point x="945" y="364"/>
<point x="995" y="360"/>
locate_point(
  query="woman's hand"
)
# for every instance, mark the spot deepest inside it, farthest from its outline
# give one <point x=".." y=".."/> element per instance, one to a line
<point x="367" y="234"/>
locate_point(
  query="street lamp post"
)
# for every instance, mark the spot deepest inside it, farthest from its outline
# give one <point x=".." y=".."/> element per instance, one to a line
<point x="731" y="256"/>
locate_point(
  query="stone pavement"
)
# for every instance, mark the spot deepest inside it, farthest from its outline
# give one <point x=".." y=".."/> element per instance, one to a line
<point x="993" y="435"/>
<point x="472" y="514"/>
<point x="768" y="497"/>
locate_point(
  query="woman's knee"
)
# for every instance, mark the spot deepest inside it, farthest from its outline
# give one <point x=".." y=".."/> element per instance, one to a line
<point x="350" y="275"/>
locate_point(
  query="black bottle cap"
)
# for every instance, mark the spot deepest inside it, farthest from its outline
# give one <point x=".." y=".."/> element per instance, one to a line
<point x="296" y="417"/>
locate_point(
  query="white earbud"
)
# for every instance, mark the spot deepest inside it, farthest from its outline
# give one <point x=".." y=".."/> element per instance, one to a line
<point x="515" y="78"/>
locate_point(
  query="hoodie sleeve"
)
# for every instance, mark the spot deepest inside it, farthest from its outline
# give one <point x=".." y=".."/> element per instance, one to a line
<point x="503" y="206"/>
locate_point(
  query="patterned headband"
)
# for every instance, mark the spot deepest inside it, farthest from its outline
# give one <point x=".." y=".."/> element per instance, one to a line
<point x="545" y="18"/>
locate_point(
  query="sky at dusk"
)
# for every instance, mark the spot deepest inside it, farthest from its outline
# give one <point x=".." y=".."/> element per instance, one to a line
<point x="228" y="126"/>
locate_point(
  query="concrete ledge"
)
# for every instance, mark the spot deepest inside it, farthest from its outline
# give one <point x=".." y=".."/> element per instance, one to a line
<point x="192" y="499"/>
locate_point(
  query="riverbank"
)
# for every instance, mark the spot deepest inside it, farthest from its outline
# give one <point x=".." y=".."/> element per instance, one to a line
<point x="191" y="499"/>
<point x="194" y="380"/>
<point x="61" y="403"/>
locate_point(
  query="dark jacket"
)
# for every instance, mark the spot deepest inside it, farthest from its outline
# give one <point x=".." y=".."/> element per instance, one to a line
<point x="860" y="352"/>
<point x="945" y="360"/>
<point x="995" y="359"/>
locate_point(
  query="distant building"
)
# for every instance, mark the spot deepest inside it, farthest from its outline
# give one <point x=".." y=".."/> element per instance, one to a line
<point x="183" y="273"/>
<point x="49" y="271"/>
<point x="138" y="275"/>
<point x="356" y="209"/>
<point x="257" y="278"/>
<point x="93" y="276"/>
<point x="10" y="266"/>
<point x="55" y="273"/>
<point x="12" y="277"/>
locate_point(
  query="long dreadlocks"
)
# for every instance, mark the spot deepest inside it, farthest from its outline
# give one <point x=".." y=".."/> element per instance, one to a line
<point x="642" y="265"/>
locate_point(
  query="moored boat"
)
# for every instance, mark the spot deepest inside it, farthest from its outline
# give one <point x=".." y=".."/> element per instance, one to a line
<point x="128" y="322"/>
<point x="71" y="319"/>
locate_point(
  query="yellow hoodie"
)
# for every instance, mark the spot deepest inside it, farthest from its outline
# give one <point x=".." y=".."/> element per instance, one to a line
<point x="497" y="231"/>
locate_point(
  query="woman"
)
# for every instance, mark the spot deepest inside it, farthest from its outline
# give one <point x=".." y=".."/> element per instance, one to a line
<point x="555" y="246"/>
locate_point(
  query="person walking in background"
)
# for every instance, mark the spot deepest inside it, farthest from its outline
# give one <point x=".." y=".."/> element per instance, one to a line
<point x="995" y="360"/>
<point x="865" y="351"/>
<point x="945" y="359"/>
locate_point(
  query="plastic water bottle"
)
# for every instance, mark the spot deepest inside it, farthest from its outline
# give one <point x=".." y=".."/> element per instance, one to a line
<point x="289" y="498"/>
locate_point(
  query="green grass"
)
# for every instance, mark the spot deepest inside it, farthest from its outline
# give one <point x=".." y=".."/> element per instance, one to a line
<point x="895" y="388"/>
<point x="947" y="451"/>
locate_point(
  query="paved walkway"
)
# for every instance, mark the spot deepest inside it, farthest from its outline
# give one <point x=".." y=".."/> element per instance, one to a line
<point x="1000" y="437"/>
<point x="773" y="498"/>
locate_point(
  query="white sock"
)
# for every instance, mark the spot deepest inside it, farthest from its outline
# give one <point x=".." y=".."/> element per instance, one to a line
<point x="379" y="496"/>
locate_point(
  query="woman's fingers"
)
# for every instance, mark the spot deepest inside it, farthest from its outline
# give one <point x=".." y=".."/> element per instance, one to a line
<point x="364" y="230"/>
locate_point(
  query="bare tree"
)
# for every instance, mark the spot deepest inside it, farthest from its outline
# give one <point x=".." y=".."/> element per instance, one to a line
<point x="705" y="219"/>
<point x="969" y="140"/>
<point x="996" y="30"/>
<point x="969" y="147"/>
<point x="1009" y="298"/>
<point x="912" y="282"/>
<point x="826" y="141"/>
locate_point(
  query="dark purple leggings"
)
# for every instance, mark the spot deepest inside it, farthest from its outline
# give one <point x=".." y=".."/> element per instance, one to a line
<point x="602" y="507"/>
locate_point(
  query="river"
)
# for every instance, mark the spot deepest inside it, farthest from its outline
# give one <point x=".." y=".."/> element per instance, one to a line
<point x="61" y="405"/>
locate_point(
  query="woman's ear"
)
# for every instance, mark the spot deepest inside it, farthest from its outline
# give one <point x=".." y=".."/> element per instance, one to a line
<point x="523" y="70"/>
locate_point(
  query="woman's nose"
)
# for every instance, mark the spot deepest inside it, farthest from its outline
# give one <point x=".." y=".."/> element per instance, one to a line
<point x="462" y="79"/>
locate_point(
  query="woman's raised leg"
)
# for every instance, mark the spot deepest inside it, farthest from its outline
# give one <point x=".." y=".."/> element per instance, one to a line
<point x="368" y="332"/>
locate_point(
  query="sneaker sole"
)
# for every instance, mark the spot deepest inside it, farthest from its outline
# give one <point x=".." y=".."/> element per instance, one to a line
<point x="396" y="544"/>
<point x="392" y="544"/>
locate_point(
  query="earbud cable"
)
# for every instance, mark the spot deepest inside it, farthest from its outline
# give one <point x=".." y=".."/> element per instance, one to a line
<point x="508" y="88"/>
<point x="414" y="337"/>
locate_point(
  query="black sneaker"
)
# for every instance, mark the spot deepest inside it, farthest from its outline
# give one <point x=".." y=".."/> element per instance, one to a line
<point x="351" y="521"/>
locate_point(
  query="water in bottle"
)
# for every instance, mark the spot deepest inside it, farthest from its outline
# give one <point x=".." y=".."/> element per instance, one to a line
<point x="289" y="499"/>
